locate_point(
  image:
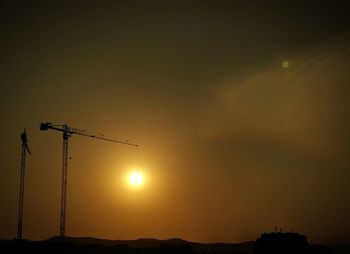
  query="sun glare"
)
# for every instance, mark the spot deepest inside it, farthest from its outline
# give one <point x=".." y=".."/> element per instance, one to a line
<point x="135" y="178"/>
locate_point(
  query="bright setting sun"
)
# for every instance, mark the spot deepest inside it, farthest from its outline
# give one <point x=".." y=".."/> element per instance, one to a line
<point x="135" y="178"/>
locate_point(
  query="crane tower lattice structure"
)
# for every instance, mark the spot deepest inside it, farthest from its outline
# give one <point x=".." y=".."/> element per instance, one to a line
<point x="25" y="149"/>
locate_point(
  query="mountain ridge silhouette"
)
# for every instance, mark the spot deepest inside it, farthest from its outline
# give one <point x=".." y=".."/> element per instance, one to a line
<point x="244" y="247"/>
<point x="154" y="243"/>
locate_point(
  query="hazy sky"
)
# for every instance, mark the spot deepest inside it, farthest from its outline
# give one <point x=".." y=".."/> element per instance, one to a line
<point x="233" y="143"/>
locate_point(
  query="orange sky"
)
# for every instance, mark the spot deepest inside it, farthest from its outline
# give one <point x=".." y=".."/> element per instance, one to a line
<point x="232" y="143"/>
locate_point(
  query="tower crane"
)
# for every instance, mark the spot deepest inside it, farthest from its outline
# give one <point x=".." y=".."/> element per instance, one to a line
<point x="25" y="149"/>
<point x="67" y="133"/>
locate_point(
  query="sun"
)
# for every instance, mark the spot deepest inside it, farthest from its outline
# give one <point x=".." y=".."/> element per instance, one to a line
<point x="135" y="178"/>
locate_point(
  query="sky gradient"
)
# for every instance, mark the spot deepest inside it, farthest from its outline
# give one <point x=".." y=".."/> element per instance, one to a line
<point x="232" y="143"/>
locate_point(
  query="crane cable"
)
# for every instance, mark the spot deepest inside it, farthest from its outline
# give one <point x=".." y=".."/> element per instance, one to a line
<point x="138" y="158"/>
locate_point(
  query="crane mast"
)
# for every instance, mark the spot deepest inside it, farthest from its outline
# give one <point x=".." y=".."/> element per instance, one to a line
<point x="64" y="184"/>
<point x="67" y="133"/>
<point x="25" y="149"/>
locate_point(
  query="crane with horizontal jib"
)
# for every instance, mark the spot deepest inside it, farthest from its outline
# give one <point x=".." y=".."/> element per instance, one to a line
<point x="25" y="149"/>
<point x="67" y="133"/>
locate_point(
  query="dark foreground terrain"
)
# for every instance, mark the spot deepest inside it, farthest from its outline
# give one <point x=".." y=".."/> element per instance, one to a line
<point x="269" y="243"/>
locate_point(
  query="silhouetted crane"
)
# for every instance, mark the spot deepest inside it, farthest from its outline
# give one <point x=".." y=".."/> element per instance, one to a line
<point x="25" y="149"/>
<point x="67" y="132"/>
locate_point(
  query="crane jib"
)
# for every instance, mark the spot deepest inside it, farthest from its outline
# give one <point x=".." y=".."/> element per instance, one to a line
<point x="71" y="130"/>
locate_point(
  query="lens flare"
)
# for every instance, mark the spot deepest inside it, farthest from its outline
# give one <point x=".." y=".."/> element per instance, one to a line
<point x="285" y="64"/>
